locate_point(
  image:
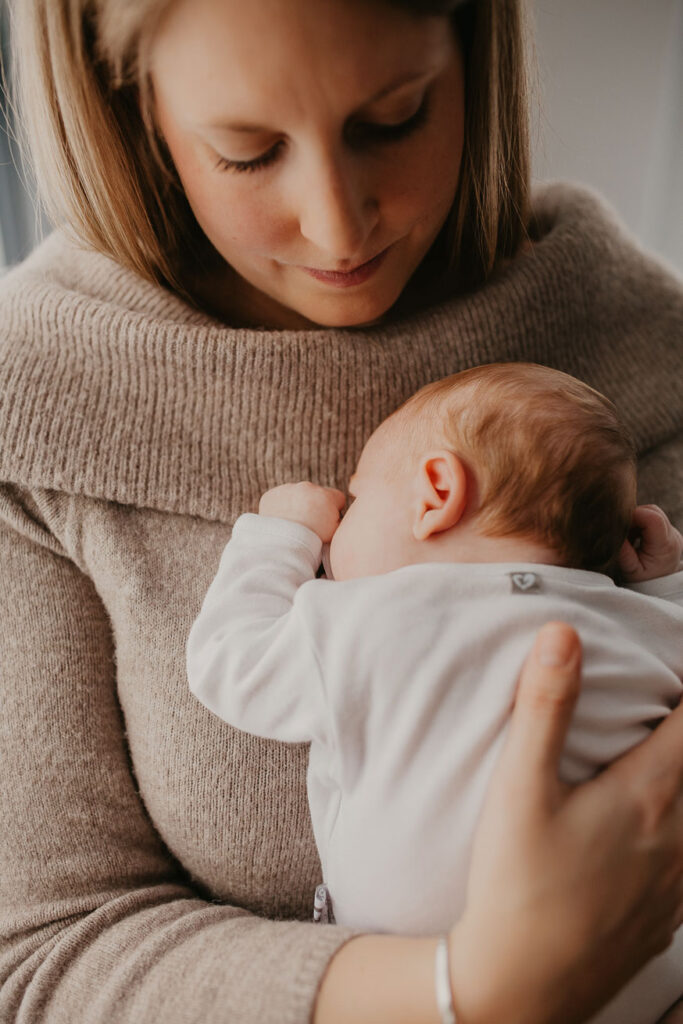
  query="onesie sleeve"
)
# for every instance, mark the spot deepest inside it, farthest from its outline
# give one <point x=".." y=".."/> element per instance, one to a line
<point x="250" y="659"/>
<point x="98" y="922"/>
<point x="669" y="588"/>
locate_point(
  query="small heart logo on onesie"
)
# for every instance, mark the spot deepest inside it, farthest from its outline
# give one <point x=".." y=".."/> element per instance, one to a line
<point x="525" y="582"/>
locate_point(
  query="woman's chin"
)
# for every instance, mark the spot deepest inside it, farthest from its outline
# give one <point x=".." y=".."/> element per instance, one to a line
<point x="298" y="305"/>
<point x="347" y="310"/>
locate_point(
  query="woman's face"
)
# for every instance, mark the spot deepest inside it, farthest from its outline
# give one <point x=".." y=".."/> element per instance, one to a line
<point x="312" y="137"/>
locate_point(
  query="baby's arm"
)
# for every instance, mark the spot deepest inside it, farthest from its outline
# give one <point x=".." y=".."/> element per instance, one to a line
<point x="658" y="554"/>
<point x="249" y="657"/>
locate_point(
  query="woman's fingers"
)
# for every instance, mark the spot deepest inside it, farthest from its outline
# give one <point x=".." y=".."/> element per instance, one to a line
<point x="655" y="768"/>
<point x="604" y="858"/>
<point x="547" y="692"/>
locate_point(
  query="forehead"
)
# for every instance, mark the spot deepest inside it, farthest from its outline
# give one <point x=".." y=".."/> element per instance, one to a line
<point x="385" y="440"/>
<point x="285" y="59"/>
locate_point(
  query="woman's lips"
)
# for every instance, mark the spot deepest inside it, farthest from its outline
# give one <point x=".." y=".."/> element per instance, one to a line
<point x="357" y="276"/>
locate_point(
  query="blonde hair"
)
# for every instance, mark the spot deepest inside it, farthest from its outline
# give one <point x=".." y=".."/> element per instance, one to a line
<point x="101" y="169"/>
<point x="549" y="456"/>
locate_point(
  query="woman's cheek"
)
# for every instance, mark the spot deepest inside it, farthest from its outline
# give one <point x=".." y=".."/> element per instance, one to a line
<point x="240" y="218"/>
<point x="230" y="211"/>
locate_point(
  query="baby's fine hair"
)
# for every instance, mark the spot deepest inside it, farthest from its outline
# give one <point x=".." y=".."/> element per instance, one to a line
<point x="547" y="454"/>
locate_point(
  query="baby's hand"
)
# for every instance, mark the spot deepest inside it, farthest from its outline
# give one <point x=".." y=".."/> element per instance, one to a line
<point x="316" y="507"/>
<point x="660" y="548"/>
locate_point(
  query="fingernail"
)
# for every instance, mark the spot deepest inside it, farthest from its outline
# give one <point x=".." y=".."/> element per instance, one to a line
<point x="555" y="646"/>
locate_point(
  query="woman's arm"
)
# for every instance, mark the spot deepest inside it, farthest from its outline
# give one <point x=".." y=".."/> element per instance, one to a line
<point x="563" y="879"/>
<point x="98" y="922"/>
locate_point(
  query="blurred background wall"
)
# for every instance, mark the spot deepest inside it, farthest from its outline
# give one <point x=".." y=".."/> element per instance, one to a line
<point x="607" y="111"/>
<point x="20" y="224"/>
<point x="609" y="108"/>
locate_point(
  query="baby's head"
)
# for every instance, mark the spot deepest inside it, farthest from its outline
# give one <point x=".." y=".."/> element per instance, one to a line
<point x="509" y="451"/>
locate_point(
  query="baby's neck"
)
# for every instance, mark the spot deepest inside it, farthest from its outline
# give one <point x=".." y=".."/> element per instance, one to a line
<point x="466" y="545"/>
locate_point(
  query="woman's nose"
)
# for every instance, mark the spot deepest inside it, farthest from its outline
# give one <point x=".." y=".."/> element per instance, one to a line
<point x="337" y="212"/>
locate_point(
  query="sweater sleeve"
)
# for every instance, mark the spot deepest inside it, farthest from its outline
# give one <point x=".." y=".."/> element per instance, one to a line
<point x="98" y="922"/>
<point x="249" y="655"/>
<point x="660" y="478"/>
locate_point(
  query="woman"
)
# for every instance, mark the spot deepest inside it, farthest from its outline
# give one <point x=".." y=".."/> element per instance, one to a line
<point x="287" y="217"/>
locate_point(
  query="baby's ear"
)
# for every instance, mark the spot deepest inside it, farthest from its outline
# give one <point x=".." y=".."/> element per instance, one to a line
<point x="441" y="494"/>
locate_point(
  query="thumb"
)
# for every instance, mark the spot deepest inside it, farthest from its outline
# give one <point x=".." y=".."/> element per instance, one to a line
<point x="337" y="496"/>
<point x="629" y="563"/>
<point x="547" y="692"/>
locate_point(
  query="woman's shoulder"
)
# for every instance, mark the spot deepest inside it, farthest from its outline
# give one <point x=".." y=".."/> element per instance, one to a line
<point x="89" y="354"/>
<point x="584" y="297"/>
<point x="63" y="272"/>
<point x="573" y="221"/>
<point x="556" y="202"/>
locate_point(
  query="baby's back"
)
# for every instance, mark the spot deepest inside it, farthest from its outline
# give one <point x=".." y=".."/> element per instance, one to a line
<point x="419" y="668"/>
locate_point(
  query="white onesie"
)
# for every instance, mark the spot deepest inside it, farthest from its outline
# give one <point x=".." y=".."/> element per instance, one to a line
<point x="403" y="685"/>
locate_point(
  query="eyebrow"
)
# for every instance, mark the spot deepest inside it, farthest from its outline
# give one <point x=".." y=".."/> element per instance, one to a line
<point x="243" y="126"/>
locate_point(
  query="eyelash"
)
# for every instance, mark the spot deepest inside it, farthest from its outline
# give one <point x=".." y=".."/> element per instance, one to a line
<point x="381" y="133"/>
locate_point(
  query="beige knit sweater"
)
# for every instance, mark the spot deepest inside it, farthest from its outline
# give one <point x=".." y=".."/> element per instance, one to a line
<point x="156" y="865"/>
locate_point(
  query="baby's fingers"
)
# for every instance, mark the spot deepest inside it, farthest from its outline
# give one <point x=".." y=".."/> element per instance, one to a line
<point x="629" y="563"/>
<point x="651" y="521"/>
<point x="656" y="544"/>
<point x="657" y="532"/>
<point x="338" y="497"/>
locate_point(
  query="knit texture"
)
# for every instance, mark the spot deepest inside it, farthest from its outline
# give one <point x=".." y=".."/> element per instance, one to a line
<point x="197" y="417"/>
<point x="147" y="847"/>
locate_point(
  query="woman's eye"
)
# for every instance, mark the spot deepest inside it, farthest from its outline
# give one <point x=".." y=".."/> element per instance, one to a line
<point x="362" y="132"/>
<point x="393" y="132"/>
<point x="223" y="164"/>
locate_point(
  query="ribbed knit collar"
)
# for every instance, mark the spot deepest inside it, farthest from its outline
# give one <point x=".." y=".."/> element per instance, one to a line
<point x="115" y="388"/>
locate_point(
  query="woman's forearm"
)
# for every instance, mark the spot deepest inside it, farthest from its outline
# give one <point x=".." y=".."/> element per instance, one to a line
<point x="390" y="979"/>
<point x="375" y="979"/>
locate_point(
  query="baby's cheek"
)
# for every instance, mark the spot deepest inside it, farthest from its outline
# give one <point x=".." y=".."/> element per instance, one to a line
<point x="336" y="552"/>
<point x="342" y="550"/>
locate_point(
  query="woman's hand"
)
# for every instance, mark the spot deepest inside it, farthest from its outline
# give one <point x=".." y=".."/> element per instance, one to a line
<point x="572" y="889"/>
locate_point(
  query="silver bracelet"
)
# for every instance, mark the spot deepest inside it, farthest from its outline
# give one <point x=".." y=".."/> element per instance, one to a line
<point x="442" y="981"/>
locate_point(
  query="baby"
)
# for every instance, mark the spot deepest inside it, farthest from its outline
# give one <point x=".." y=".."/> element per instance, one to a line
<point x="489" y="503"/>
